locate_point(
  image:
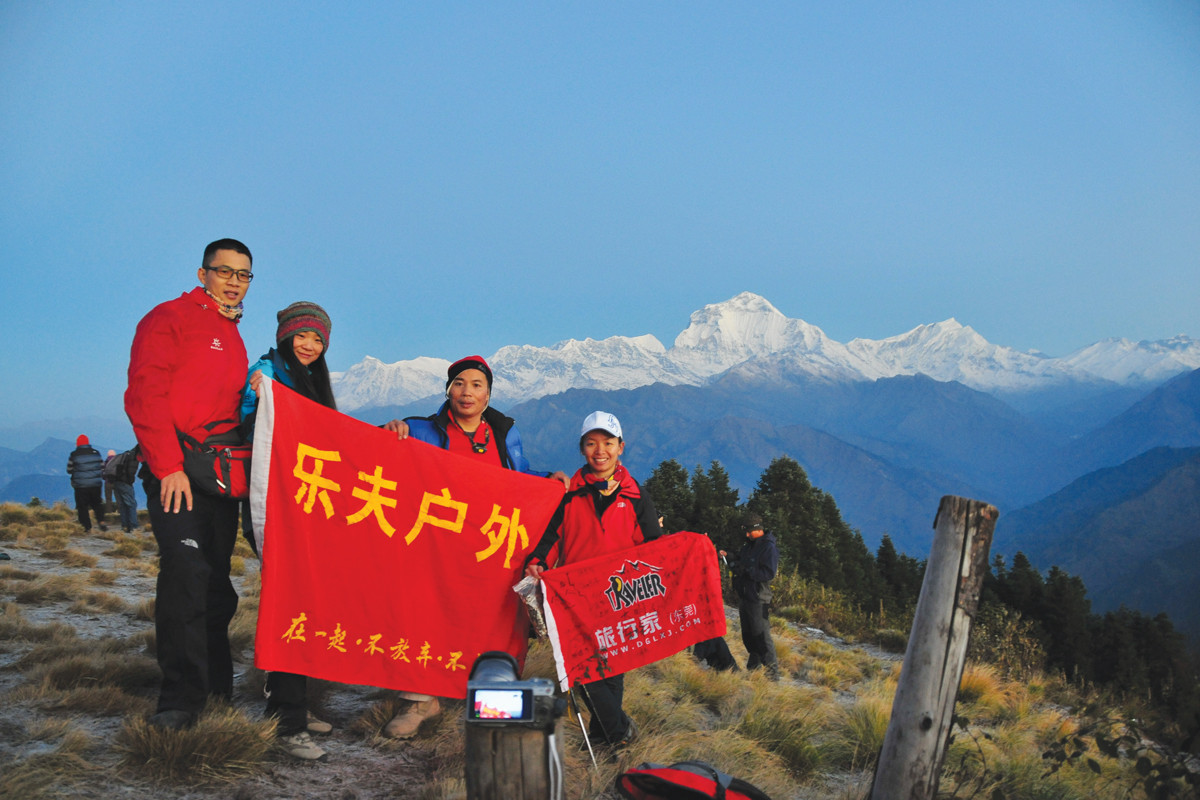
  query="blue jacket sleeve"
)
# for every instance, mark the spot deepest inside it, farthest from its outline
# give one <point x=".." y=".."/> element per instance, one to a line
<point x="516" y="453"/>
<point x="249" y="398"/>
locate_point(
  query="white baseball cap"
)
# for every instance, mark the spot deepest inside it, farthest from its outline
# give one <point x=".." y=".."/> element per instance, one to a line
<point x="601" y="421"/>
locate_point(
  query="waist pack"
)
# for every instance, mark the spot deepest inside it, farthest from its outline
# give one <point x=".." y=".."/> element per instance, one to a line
<point x="220" y="465"/>
<point x="686" y="780"/>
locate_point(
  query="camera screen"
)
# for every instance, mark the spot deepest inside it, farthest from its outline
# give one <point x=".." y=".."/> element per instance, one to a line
<point x="498" y="704"/>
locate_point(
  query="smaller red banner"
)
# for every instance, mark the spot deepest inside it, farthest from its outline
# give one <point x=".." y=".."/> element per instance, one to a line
<point x="617" y="612"/>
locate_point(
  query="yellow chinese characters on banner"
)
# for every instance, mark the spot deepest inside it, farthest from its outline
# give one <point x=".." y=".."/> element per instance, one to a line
<point x="437" y="510"/>
<point x="338" y="639"/>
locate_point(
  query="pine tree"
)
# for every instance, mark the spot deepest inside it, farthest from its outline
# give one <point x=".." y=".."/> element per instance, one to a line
<point x="1065" y="619"/>
<point x="668" y="487"/>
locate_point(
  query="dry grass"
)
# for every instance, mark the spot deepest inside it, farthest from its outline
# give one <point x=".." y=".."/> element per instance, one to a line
<point x="129" y="673"/>
<point x="50" y="588"/>
<point x="124" y="547"/>
<point x="103" y="577"/>
<point x="48" y="775"/>
<point x="858" y="730"/>
<point x="11" y="573"/>
<point x="15" y="628"/>
<point x="241" y="548"/>
<point x="98" y="601"/>
<point x="77" y="558"/>
<point x="223" y="745"/>
<point x="820" y="728"/>
<point x="789" y="721"/>
<point x="145" y="610"/>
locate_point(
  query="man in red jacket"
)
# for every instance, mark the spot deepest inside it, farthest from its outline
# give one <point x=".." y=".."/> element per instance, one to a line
<point x="186" y="371"/>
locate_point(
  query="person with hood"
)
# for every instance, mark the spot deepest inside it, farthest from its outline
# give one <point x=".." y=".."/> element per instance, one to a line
<point x="753" y="571"/>
<point x="604" y="511"/>
<point x="298" y="362"/>
<point x="187" y="367"/>
<point x="85" y="465"/>
<point x="468" y="425"/>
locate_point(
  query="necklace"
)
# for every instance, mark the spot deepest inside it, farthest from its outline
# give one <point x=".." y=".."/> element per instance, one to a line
<point x="476" y="447"/>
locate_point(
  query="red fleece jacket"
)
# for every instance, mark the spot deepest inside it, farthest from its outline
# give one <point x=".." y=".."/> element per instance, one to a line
<point x="186" y="369"/>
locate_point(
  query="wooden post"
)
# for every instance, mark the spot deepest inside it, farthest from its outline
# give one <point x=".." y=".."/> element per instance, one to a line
<point x="911" y="759"/>
<point x="513" y="763"/>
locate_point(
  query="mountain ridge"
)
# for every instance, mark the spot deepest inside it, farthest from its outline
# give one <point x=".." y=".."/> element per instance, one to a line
<point x="747" y="329"/>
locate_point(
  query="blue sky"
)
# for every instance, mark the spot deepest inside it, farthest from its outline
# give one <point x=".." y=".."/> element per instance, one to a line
<point x="449" y="178"/>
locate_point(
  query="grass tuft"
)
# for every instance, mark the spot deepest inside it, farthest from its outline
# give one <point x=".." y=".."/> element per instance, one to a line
<point x="77" y="558"/>
<point x="223" y="745"/>
<point x="103" y="577"/>
<point x="859" y="729"/>
<point x="97" y="601"/>
<point x="90" y="669"/>
<point x="124" y="547"/>
<point x="788" y="722"/>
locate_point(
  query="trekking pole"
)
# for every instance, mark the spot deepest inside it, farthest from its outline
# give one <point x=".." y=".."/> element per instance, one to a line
<point x="582" y="727"/>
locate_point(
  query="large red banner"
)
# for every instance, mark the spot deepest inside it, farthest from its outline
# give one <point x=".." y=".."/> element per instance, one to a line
<point x="614" y="613"/>
<point x="385" y="563"/>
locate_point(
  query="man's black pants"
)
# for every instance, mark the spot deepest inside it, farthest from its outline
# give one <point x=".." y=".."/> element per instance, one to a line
<point x="756" y="635"/>
<point x="195" y="600"/>
<point x="604" y="698"/>
<point x="89" y="497"/>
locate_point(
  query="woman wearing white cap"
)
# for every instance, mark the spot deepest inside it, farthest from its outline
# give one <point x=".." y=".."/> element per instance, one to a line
<point x="603" y="511"/>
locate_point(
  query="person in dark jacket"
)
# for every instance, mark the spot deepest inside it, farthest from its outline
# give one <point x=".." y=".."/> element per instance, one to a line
<point x="85" y="465"/>
<point x="603" y="511"/>
<point x="468" y="425"/>
<point x="753" y="571"/>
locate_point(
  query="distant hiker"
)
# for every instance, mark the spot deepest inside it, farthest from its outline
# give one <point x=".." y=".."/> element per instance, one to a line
<point x="120" y="471"/>
<point x="753" y="572"/>
<point x="85" y="465"/>
<point x="298" y="362"/>
<point x="465" y="424"/>
<point x="186" y="372"/>
<point x="603" y="511"/>
<point x="109" y="505"/>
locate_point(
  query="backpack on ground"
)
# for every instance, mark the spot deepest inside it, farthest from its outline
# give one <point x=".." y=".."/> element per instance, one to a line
<point x="686" y="780"/>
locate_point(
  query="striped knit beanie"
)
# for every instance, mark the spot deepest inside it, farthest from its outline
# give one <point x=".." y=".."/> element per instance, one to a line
<point x="303" y="316"/>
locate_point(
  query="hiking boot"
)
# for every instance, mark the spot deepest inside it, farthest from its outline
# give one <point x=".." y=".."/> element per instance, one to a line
<point x="103" y="528"/>
<point x="300" y="745"/>
<point x="631" y="735"/>
<point x="172" y="719"/>
<point x="317" y="725"/>
<point x="404" y="726"/>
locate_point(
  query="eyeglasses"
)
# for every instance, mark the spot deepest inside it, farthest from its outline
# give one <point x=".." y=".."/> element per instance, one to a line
<point x="225" y="273"/>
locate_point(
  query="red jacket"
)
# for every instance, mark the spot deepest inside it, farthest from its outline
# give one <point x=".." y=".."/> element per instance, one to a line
<point x="579" y="530"/>
<point x="186" y="369"/>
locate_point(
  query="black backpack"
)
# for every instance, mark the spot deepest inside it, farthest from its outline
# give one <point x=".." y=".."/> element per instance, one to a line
<point x="686" y="780"/>
<point x="124" y="466"/>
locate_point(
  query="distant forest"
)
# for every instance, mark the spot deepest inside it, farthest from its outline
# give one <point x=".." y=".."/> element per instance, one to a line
<point x="1026" y="621"/>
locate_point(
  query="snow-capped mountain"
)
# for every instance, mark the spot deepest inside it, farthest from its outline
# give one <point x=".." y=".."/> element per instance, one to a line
<point x="1123" y="361"/>
<point x="749" y="333"/>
